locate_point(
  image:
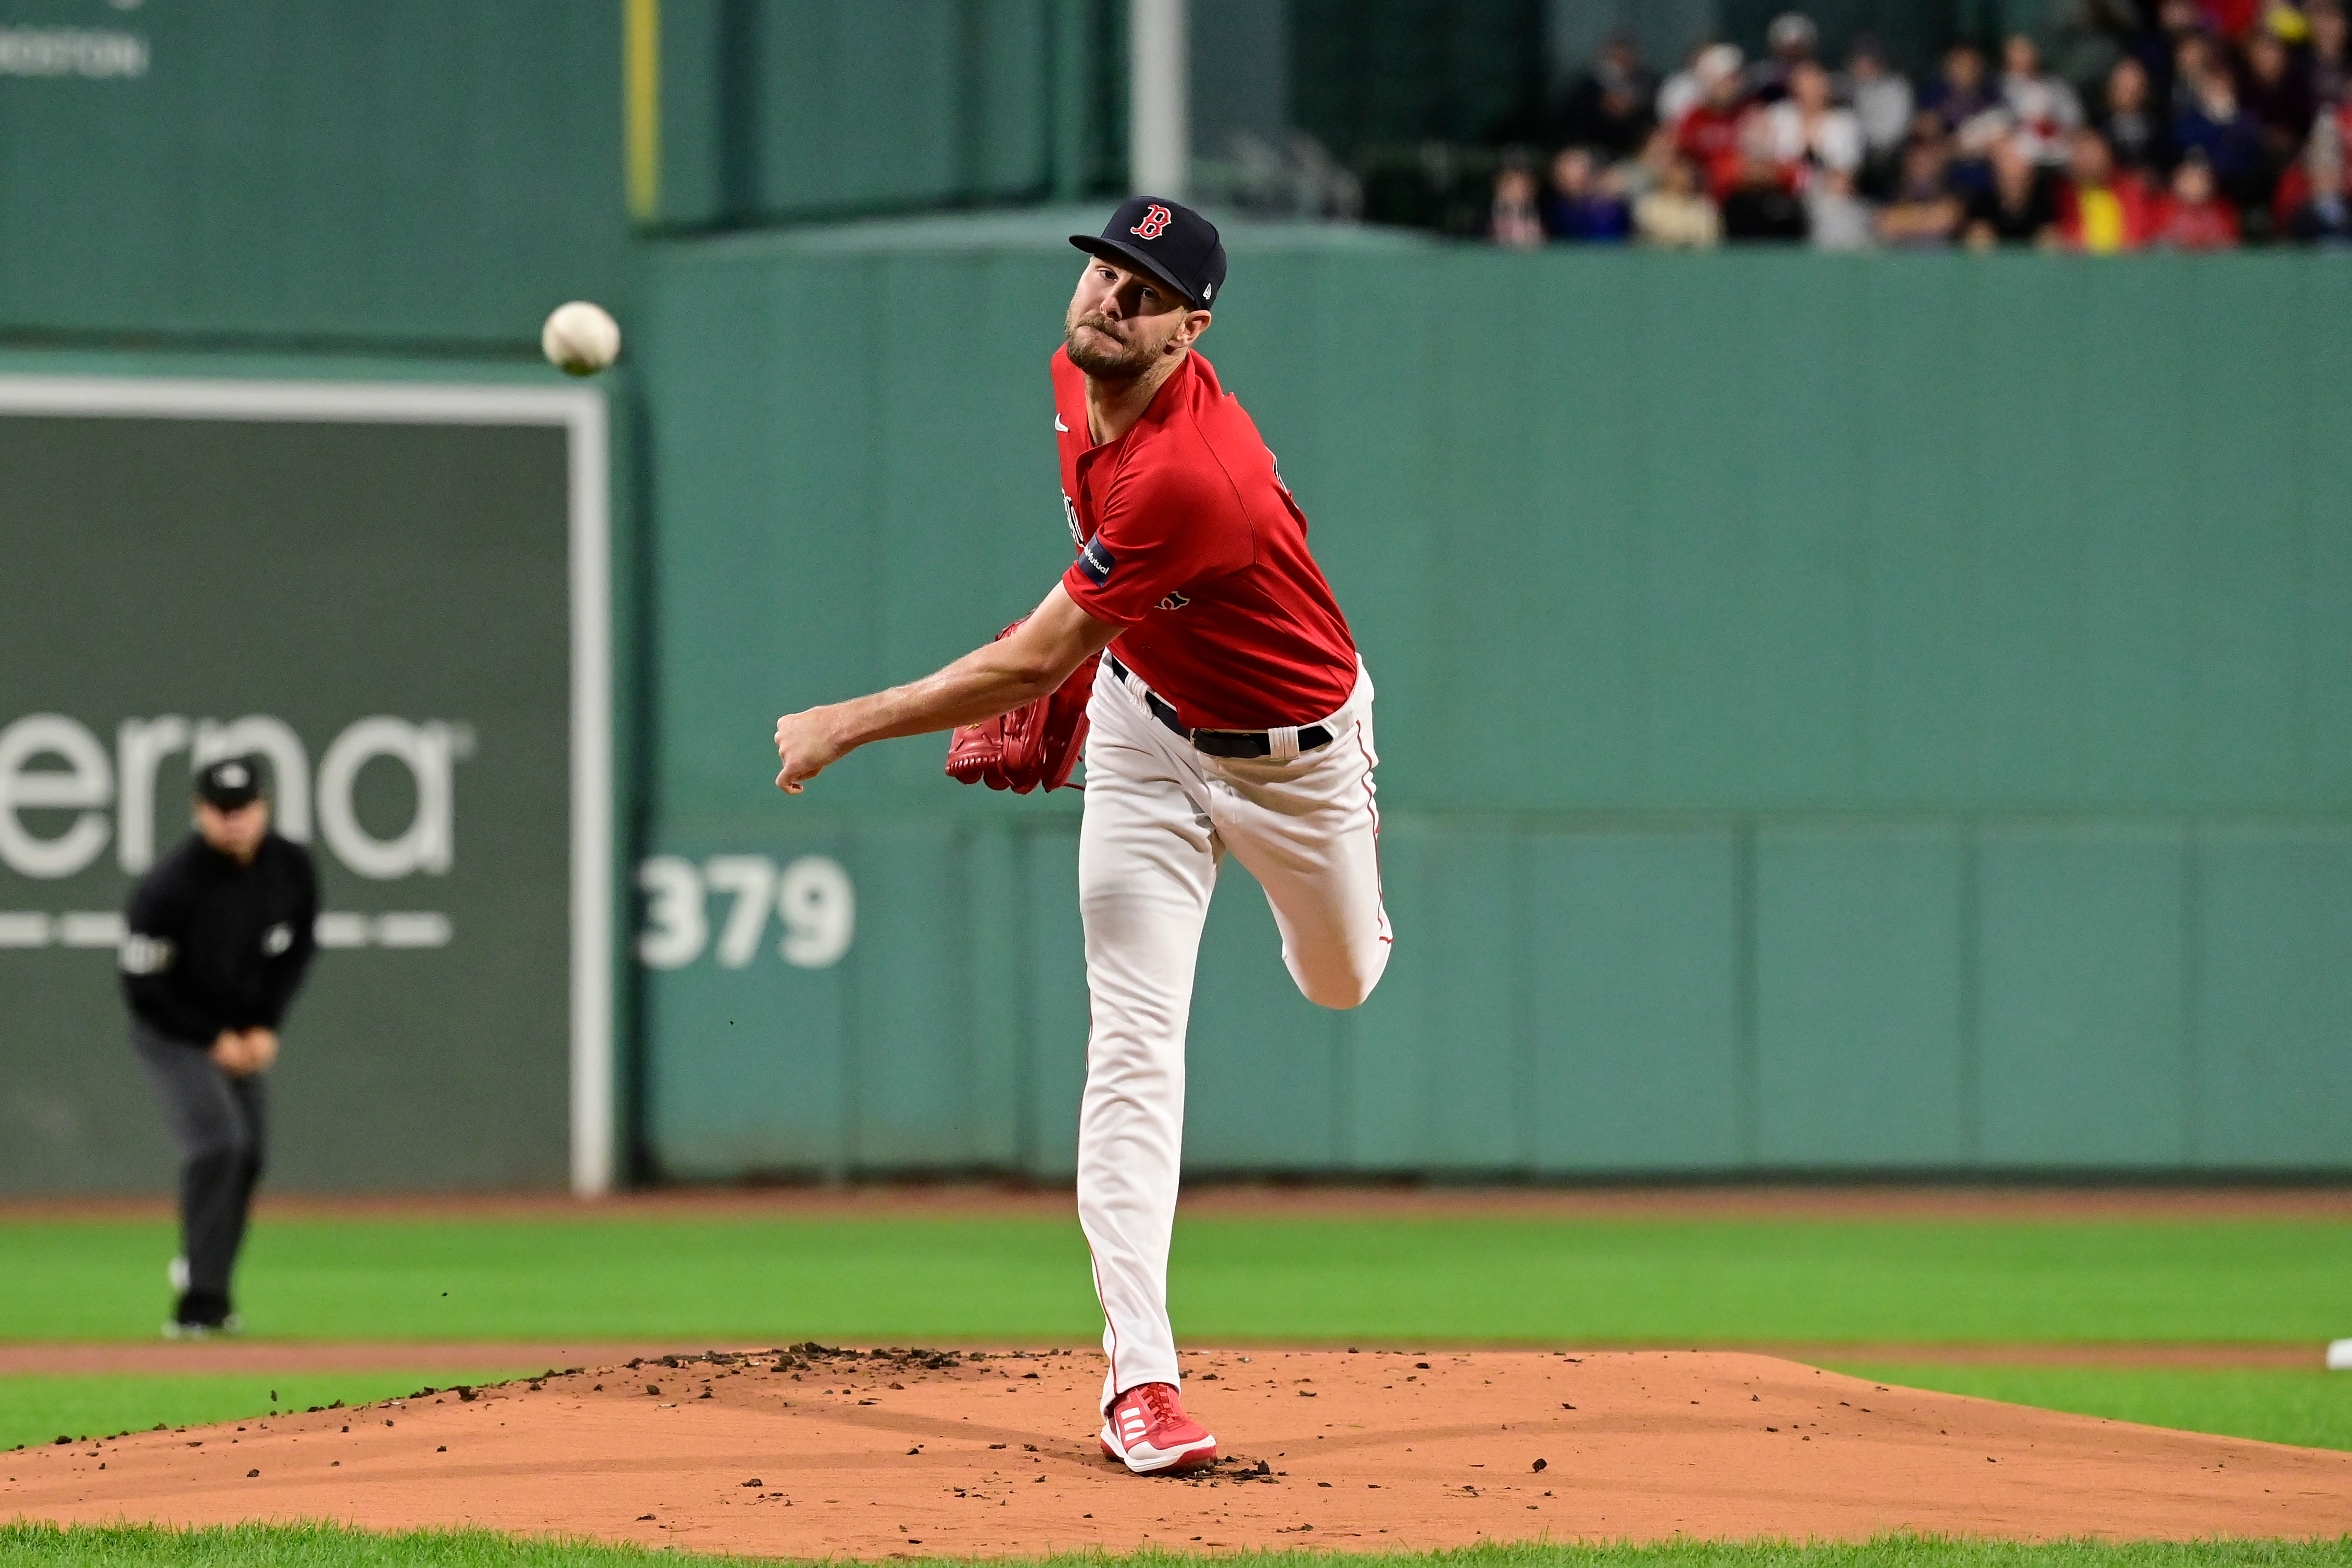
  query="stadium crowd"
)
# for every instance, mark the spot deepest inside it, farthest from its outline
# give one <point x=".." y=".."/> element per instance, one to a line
<point x="2210" y="123"/>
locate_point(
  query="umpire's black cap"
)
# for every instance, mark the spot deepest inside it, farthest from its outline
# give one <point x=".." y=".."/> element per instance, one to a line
<point x="1166" y="240"/>
<point x="231" y="782"/>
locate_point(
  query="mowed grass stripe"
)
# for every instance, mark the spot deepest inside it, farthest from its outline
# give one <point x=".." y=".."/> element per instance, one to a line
<point x="1452" y="1281"/>
<point x="334" y="1546"/>
<point x="39" y="1408"/>
<point x="2311" y="1409"/>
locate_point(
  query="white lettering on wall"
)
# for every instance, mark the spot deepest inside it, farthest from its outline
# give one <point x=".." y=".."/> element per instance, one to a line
<point x="135" y="783"/>
<point x="87" y="784"/>
<point x="72" y="52"/>
<point x="819" y="909"/>
<point x="426" y="844"/>
<point x="813" y="896"/>
<point x="139" y="745"/>
<point x="676" y="928"/>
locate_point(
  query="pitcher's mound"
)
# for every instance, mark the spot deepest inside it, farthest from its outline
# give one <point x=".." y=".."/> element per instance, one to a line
<point x="810" y="1453"/>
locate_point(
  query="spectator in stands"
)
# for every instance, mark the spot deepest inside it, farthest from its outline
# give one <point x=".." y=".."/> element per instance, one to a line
<point x="1924" y="210"/>
<point x="1973" y="144"/>
<point x="1608" y="106"/>
<point x="2323" y="213"/>
<point x="1760" y="205"/>
<point x="2217" y="127"/>
<point x="1809" y="133"/>
<point x="1961" y="95"/>
<point x="1680" y="93"/>
<point x="1836" y="217"/>
<point x="2101" y="210"/>
<point x="2276" y="93"/>
<point x="1881" y="106"/>
<point x="2137" y="135"/>
<point x="2020" y="206"/>
<point x="2158" y="49"/>
<point x="2330" y="60"/>
<point x="2193" y="55"/>
<point x="1512" y="220"/>
<point x="1708" y="134"/>
<point x="2193" y="216"/>
<point x="1789" y="43"/>
<point x="2043" y="108"/>
<point x="2081" y="39"/>
<point x="2231" y="18"/>
<point x="1641" y="176"/>
<point x="1677" y="214"/>
<point x="1583" y="204"/>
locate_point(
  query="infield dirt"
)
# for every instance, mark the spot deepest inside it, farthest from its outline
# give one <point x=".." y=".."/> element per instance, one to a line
<point x="812" y="1452"/>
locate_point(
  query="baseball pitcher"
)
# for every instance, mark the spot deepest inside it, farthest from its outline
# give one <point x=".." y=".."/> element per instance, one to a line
<point x="1195" y="652"/>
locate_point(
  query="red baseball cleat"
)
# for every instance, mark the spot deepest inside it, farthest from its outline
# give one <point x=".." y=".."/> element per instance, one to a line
<point x="1147" y="1430"/>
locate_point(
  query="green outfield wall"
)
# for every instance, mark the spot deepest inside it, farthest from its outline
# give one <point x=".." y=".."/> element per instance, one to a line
<point x="781" y="110"/>
<point x="404" y="173"/>
<point x="1837" y="713"/>
<point x="432" y="176"/>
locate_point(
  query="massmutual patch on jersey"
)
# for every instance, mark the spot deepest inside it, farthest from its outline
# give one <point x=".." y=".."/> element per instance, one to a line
<point x="1096" y="561"/>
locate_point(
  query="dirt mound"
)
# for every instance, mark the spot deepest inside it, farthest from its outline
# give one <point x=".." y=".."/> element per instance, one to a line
<point x="808" y="1452"/>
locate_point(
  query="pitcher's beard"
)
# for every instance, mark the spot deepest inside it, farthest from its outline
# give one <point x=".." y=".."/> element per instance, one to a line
<point x="1122" y="365"/>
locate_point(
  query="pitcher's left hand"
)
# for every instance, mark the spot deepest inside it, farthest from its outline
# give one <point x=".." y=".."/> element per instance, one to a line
<point x="803" y="748"/>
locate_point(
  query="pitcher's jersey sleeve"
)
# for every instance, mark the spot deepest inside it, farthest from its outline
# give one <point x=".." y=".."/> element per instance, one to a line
<point x="1165" y="530"/>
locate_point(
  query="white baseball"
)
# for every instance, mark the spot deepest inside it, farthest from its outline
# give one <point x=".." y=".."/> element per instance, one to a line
<point x="579" y="338"/>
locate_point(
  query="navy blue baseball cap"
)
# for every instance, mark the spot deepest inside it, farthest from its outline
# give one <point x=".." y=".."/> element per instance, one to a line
<point x="230" y="784"/>
<point x="1164" y="240"/>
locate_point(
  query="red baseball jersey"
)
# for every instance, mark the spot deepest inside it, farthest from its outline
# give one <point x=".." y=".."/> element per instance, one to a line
<point x="1189" y="538"/>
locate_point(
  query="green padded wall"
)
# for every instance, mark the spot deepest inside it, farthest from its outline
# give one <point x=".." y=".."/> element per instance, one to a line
<point x="1837" y="713"/>
<point x="400" y="173"/>
<point x="433" y="175"/>
<point x="789" y="110"/>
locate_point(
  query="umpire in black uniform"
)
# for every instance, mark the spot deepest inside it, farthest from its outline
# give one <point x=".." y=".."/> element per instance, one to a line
<point x="217" y="937"/>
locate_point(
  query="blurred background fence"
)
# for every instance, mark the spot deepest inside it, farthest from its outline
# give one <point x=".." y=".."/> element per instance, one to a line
<point x="1876" y="713"/>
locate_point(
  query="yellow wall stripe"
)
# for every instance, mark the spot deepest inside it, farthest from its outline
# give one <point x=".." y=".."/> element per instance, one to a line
<point x="641" y="75"/>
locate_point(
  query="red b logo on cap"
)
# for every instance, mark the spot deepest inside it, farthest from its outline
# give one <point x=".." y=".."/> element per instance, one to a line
<point x="1156" y="219"/>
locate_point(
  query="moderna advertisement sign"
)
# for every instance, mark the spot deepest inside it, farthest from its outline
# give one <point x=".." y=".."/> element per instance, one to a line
<point x="394" y="595"/>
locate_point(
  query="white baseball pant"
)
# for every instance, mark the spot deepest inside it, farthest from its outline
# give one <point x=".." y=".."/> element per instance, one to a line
<point x="1160" y="816"/>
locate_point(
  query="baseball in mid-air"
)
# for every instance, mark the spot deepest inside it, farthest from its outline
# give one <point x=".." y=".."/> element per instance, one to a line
<point x="579" y="338"/>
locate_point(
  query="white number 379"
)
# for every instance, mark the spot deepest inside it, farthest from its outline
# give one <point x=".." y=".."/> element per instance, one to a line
<point x="812" y="896"/>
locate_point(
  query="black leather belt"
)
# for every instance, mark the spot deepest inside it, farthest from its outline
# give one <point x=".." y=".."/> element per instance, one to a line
<point x="1216" y="742"/>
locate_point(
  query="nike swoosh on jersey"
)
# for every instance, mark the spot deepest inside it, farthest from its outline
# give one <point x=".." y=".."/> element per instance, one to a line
<point x="1059" y="425"/>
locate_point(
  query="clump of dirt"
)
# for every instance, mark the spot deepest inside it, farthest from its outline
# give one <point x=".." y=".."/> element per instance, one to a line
<point x="812" y="1450"/>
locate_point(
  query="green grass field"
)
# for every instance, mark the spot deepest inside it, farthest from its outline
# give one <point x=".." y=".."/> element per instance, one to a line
<point x="691" y="1281"/>
<point x="2311" y="1408"/>
<point x="1453" y="1280"/>
<point x="42" y="1407"/>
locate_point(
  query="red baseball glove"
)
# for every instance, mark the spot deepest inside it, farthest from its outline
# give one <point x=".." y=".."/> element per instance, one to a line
<point x="1036" y="743"/>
